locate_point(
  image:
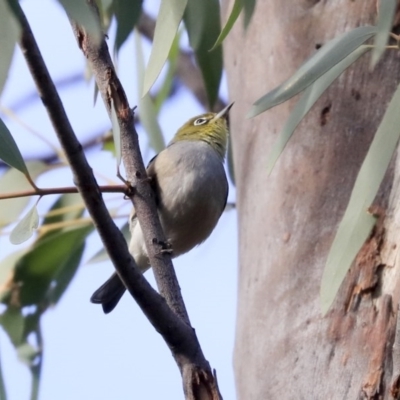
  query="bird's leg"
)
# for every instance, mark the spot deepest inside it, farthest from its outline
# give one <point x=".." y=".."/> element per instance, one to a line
<point x="165" y="247"/>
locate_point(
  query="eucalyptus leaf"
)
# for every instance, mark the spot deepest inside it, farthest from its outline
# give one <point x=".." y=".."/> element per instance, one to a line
<point x="127" y="13"/>
<point x="387" y="10"/>
<point x="307" y="100"/>
<point x="168" y="20"/>
<point x="25" y="227"/>
<point x="202" y="22"/>
<point x="10" y="31"/>
<point x="146" y="111"/>
<point x="249" y="6"/>
<point x="13" y="181"/>
<point x="233" y="16"/>
<point x="9" y="151"/>
<point x="166" y="85"/>
<point x="80" y="12"/>
<point x="356" y="224"/>
<point x="65" y="275"/>
<point x="322" y="61"/>
<point x="7" y="266"/>
<point x="12" y="322"/>
<point x="44" y="262"/>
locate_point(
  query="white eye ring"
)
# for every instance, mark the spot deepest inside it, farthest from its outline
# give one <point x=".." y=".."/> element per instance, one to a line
<point x="200" y="121"/>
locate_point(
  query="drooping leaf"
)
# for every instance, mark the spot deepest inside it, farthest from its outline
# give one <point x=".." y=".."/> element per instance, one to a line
<point x="7" y="266"/>
<point x="25" y="227"/>
<point x="80" y="12"/>
<point x="202" y="21"/>
<point x="127" y="13"/>
<point x="10" y="31"/>
<point x="14" y="181"/>
<point x="166" y="86"/>
<point x="12" y="322"/>
<point x="106" y="4"/>
<point x="237" y="8"/>
<point x="146" y="110"/>
<point x="356" y="224"/>
<point x="36" y="270"/>
<point x="168" y="20"/>
<point x="387" y="9"/>
<point x="65" y="275"/>
<point x="322" y="61"/>
<point x="249" y="6"/>
<point x="9" y="151"/>
<point x="307" y="100"/>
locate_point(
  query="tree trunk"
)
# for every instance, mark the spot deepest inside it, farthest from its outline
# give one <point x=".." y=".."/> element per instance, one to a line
<point x="285" y="348"/>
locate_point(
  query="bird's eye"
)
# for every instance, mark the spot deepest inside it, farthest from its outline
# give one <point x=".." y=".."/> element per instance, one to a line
<point x="200" y="121"/>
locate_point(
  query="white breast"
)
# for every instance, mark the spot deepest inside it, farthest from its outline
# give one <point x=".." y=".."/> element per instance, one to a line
<point x="192" y="188"/>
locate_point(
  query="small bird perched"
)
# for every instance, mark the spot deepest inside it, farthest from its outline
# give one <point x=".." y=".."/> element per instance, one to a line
<point x="191" y="190"/>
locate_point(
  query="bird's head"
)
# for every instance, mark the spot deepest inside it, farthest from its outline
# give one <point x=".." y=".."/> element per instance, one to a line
<point x="211" y="128"/>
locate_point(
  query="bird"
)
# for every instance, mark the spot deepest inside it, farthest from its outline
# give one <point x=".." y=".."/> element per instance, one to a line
<point x="191" y="191"/>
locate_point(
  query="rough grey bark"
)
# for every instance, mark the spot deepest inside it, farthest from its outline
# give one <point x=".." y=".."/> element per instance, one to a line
<point x="284" y="348"/>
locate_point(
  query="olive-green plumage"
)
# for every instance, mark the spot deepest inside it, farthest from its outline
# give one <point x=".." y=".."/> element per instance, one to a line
<point x="191" y="191"/>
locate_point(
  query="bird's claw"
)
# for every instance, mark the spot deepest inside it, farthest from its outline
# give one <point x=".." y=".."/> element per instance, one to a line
<point x="166" y="247"/>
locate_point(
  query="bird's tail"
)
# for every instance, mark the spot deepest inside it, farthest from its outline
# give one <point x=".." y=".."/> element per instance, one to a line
<point x="109" y="293"/>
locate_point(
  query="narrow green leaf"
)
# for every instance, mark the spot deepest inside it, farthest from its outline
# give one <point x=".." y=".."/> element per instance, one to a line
<point x="356" y="223"/>
<point x="80" y="12"/>
<point x="13" y="181"/>
<point x="127" y="13"/>
<point x="146" y="111"/>
<point x="322" y="61"/>
<point x="387" y="9"/>
<point x="168" y="20"/>
<point x="7" y="266"/>
<point x="249" y="6"/>
<point x="116" y="134"/>
<point x="202" y="22"/>
<point x="64" y="277"/>
<point x="25" y="228"/>
<point x="195" y="22"/>
<point x="102" y="254"/>
<point x="307" y="100"/>
<point x="36" y="270"/>
<point x="237" y="8"/>
<point x="10" y="31"/>
<point x="12" y="322"/>
<point x="106" y="4"/>
<point x="9" y="151"/>
<point x="166" y="86"/>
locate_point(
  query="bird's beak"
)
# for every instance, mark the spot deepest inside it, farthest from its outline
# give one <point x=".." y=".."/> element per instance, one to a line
<point x="224" y="113"/>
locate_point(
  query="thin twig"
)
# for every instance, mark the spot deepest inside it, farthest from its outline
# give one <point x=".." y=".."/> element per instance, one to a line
<point x="61" y="190"/>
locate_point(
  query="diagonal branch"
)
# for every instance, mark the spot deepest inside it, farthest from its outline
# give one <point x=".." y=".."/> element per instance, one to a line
<point x="167" y="314"/>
